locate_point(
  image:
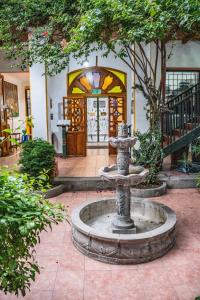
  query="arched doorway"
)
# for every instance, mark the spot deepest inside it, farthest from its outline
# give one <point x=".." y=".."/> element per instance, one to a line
<point x="95" y="105"/>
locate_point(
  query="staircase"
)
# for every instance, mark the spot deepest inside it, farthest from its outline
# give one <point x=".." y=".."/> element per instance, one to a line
<point x="181" y="122"/>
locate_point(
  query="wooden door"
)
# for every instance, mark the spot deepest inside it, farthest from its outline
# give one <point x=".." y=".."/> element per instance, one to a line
<point x="117" y="114"/>
<point x="75" y="111"/>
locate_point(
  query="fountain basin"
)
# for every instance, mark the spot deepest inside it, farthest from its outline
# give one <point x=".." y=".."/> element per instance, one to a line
<point x="92" y="231"/>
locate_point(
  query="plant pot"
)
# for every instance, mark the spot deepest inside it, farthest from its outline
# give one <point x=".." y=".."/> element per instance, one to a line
<point x="54" y="191"/>
<point x="24" y="138"/>
<point x="149" y="192"/>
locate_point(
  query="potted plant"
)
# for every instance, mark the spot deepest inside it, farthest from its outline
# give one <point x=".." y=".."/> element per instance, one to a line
<point x="24" y="136"/>
<point x="149" y="154"/>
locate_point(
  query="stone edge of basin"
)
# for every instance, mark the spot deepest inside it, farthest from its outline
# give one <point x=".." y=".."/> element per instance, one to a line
<point x="111" y="248"/>
<point x="78" y="223"/>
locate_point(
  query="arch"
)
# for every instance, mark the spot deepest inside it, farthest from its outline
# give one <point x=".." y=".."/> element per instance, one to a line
<point x="99" y="81"/>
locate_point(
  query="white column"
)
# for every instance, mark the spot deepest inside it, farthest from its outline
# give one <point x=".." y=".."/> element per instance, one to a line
<point x="39" y="107"/>
<point x="141" y="122"/>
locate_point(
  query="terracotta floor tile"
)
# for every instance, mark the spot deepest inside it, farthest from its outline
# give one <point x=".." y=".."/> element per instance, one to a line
<point x="70" y="294"/>
<point x="184" y="292"/>
<point x="48" y="263"/>
<point x="38" y="295"/>
<point x="68" y="279"/>
<point x="93" y="265"/>
<point x="161" y="293"/>
<point x="46" y="249"/>
<point x="185" y="275"/>
<point x="44" y="281"/>
<point x="97" y="285"/>
<point x="8" y="297"/>
<point x="68" y="275"/>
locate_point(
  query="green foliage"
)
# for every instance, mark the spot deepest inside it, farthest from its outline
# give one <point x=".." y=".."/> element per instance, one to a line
<point x="196" y="150"/>
<point x="149" y="154"/>
<point x="7" y="133"/>
<point x="37" y="157"/>
<point x="198" y="181"/>
<point x="59" y="28"/>
<point x="51" y="31"/>
<point x="23" y="215"/>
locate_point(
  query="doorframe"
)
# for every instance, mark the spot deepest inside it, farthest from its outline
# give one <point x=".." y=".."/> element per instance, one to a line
<point x="85" y="95"/>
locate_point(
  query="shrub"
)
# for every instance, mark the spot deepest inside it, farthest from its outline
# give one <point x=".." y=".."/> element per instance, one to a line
<point x="37" y="156"/>
<point x="149" y="154"/>
<point x="23" y="215"/>
<point x="196" y="150"/>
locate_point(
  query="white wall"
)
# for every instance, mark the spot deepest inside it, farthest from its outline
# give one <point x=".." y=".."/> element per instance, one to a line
<point x="38" y="101"/>
<point x="184" y="55"/>
<point x="57" y="87"/>
<point x="22" y="81"/>
<point x="142" y="124"/>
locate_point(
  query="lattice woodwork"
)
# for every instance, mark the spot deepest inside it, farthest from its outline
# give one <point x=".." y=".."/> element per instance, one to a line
<point x="116" y="113"/>
<point x="74" y="110"/>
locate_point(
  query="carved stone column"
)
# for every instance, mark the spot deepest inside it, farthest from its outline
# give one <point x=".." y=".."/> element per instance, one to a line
<point x="122" y="221"/>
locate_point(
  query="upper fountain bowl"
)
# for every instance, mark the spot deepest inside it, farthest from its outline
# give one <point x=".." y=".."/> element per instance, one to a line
<point x="136" y="175"/>
<point x="122" y="143"/>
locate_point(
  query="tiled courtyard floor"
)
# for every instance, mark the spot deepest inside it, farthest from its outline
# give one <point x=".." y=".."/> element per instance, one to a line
<point x="68" y="275"/>
<point x="85" y="166"/>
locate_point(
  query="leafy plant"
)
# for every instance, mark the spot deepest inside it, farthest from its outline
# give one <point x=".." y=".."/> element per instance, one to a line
<point x="196" y="150"/>
<point x="6" y="134"/>
<point x="149" y="154"/>
<point x="184" y="164"/>
<point x="37" y="157"/>
<point x="23" y="215"/>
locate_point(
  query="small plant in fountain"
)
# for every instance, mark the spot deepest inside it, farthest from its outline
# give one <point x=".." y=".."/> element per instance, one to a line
<point x="149" y="154"/>
<point x="23" y="215"/>
<point x="37" y="158"/>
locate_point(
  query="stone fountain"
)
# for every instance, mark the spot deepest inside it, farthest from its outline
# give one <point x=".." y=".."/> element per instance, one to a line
<point x="123" y="230"/>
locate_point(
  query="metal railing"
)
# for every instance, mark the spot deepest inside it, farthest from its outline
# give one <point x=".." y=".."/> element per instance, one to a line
<point x="182" y="115"/>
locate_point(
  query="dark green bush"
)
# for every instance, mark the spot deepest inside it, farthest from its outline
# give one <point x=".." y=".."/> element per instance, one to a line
<point x="149" y="154"/>
<point x="36" y="157"/>
<point x="23" y="215"/>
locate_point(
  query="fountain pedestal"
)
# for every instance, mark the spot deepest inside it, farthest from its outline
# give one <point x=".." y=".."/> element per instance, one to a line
<point x="122" y="222"/>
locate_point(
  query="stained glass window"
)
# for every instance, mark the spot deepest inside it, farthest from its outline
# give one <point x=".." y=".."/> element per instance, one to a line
<point x="96" y="81"/>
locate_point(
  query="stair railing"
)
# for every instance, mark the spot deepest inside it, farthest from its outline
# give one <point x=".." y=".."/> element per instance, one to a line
<point x="182" y="114"/>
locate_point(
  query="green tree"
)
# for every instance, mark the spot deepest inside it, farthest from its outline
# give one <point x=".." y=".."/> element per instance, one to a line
<point x="58" y="29"/>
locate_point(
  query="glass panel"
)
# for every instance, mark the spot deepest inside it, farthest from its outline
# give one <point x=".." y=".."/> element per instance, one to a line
<point x="77" y="91"/>
<point x="103" y="119"/>
<point x="107" y="82"/>
<point x="178" y="81"/>
<point x="85" y="83"/>
<point x="116" y="89"/>
<point x="92" y="120"/>
<point x="97" y="120"/>
<point x="96" y="80"/>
